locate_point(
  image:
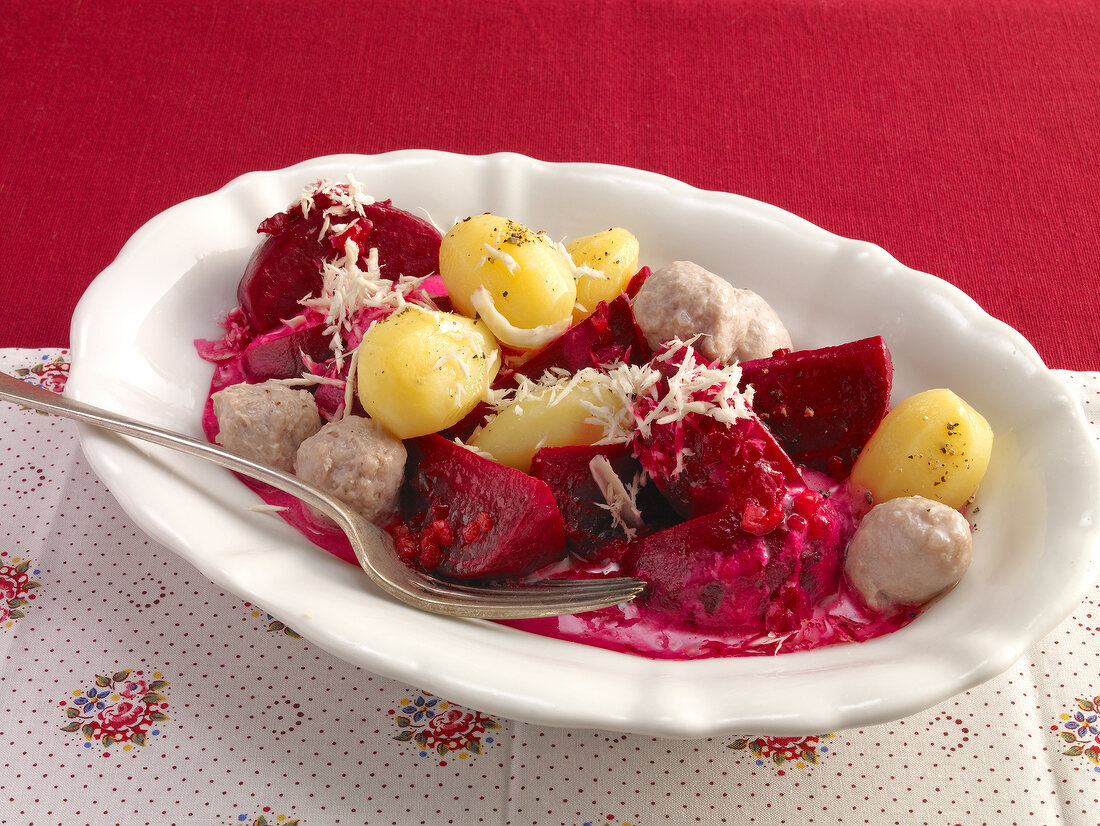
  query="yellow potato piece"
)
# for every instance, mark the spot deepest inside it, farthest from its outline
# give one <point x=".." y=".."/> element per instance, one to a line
<point x="420" y="371"/>
<point x="527" y="277"/>
<point x="614" y="253"/>
<point x="932" y="444"/>
<point x="551" y="417"/>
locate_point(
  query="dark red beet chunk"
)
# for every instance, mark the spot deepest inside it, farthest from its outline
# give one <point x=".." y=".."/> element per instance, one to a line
<point x="707" y="572"/>
<point x="286" y="266"/>
<point x="740" y="466"/>
<point x="279" y="355"/>
<point x="472" y="517"/>
<point x="710" y="573"/>
<point x="823" y="405"/>
<point x="703" y="465"/>
<point x="590" y="530"/>
<point x="407" y="245"/>
<point x="636" y="282"/>
<point x="283" y="269"/>
<point x="330" y="399"/>
<point x="608" y="336"/>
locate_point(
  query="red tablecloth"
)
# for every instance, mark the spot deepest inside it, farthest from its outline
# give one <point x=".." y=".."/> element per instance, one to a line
<point x="960" y="135"/>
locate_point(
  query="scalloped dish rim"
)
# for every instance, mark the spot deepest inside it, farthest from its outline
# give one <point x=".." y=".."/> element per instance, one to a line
<point x="1037" y="535"/>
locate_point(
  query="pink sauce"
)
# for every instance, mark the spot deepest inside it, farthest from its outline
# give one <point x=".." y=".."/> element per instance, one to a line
<point x="636" y="628"/>
<point x="633" y="628"/>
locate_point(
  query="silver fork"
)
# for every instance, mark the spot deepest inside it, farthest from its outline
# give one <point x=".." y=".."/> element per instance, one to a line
<point x="373" y="547"/>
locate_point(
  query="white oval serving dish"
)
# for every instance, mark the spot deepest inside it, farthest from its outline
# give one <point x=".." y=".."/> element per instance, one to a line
<point x="1035" y="547"/>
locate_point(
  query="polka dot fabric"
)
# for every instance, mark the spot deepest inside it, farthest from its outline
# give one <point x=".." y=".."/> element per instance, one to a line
<point x="135" y="692"/>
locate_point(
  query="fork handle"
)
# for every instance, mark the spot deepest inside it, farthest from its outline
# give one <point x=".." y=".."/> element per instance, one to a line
<point x="16" y="391"/>
<point x="414" y="588"/>
<point x="386" y="572"/>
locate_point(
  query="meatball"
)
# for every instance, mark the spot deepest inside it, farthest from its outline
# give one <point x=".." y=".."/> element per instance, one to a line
<point x="265" y="422"/>
<point x="907" y="551"/>
<point x="683" y="300"/>
<point x="766" y="332"/>
<point x="359" y="462"/>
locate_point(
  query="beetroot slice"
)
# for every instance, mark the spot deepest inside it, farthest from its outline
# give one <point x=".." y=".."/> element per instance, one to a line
<point x="590" y="530"/>
<point x="608" y="336"/>
<point x="823" y="405"/>
<point x="738" y="466"/>
<point x="710" y="573"/>
<point x="286" y="266"/>
<point x="406" y="244"/>
<point x="330" y="400"/>
<point x="278" y="355"/>
<point x="471" y="517"/>
<point x="703" y="465"/>
<point x="283" y="269"/>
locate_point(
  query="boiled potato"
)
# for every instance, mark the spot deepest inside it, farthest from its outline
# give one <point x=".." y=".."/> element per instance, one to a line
<point x="933" y="444"/>
<point x="420" y="371"/>
<point x="550" y="417"/>
<point x="614" y="253"/>
<point x="526" y="276"/>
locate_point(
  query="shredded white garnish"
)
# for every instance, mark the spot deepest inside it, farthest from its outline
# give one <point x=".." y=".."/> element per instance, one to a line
<point x="494" y="254"/>
<point x="692" y="389"/>
<point x="310" y="380"/>
<point x="580" y="269"/>
<point x="356" y="195"/>
<point x="475" y="450"/>
<point x="430" y="220"/>
<point x="267" y="508"/>
<point x="453" y="357"/>
<point x="349" y="385"/>
<point x="348" y="199"/>
<point x="621" y="501"/>
<point x="459" y="332"/>
<point x="518" y="337"/>
<point x="696" y="388"/>
<point x="771" y="639"/>
<point x="346" y="290"/>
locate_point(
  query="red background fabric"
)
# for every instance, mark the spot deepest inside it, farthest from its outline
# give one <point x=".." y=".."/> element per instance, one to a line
<point x="962" y="136"/>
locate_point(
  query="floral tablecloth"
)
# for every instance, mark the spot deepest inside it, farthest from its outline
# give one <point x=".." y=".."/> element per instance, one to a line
<point x="135" y="692"/>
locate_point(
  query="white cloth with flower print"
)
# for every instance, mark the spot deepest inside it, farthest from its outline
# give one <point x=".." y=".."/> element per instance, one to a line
<point x="135" y="692"/>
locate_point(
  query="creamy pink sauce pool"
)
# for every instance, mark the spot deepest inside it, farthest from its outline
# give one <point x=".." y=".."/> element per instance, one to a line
<point x="631" y="628"/>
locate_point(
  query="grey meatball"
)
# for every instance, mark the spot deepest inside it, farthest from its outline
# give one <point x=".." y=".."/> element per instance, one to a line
<point x="765" y="333"/>
<point x="908" y="551"/>
<point x="359" y="462"/>
<point x="683" y="300"/>
<point x="265" y="422"/>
